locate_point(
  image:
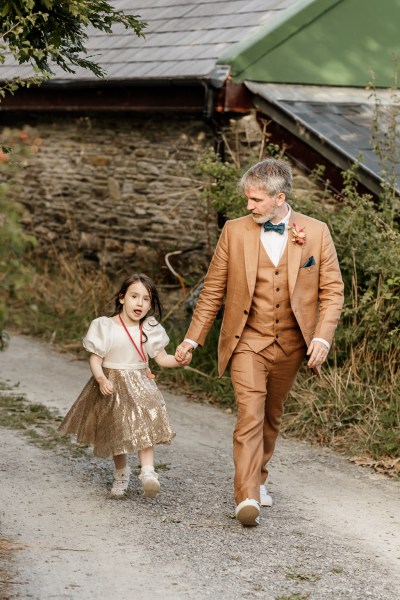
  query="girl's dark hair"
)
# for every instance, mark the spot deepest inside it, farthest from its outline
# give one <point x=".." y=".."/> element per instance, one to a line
<point x="156" y="307"/>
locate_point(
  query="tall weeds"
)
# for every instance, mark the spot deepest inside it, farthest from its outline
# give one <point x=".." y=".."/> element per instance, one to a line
<point x="62" y="297"/>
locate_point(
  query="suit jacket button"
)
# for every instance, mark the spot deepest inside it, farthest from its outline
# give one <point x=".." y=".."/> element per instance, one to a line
<point x="237" y="336"/>
<point x="245" y="312"/>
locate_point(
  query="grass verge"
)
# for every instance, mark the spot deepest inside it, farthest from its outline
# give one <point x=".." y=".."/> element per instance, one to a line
<point x="35" y="421"/>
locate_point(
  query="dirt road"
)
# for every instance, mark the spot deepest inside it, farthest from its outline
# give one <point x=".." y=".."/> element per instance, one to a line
<point x="333" y="532"/>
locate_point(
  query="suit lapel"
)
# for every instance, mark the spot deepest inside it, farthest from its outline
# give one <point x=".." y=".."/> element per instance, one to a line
<point x="295" y="252"/>
<point x="251" y="241"/>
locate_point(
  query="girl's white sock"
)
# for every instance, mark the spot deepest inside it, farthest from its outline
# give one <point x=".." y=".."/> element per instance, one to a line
<point x="148" y="469"/>
<point x="123" y="471"/>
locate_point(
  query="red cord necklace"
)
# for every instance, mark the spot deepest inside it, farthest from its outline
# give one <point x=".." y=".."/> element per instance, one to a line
<point x="140" y="350"/>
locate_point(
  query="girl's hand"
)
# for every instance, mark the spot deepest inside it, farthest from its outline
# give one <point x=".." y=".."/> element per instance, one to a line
<point x="105" y="385"/>
<point x="187" y="360"/>
<point x="168" y="360"/>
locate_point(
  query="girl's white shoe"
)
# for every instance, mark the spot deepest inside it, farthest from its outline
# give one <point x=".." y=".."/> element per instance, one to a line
<point x="265" y="498"/>
<point x="150" y="483"/>
<point x="121" y="482"/>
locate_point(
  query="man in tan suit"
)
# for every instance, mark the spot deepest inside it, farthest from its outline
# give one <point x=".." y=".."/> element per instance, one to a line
<point x="279" y="275"/>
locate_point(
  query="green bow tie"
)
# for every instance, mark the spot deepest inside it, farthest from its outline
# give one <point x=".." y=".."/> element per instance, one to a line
<point x="280" y="228"/>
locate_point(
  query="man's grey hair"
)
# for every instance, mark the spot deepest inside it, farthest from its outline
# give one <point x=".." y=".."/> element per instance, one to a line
<point x="271" y="175"/>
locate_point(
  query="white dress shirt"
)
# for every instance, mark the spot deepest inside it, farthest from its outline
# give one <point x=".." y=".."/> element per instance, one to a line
<point x="274" y="242"/>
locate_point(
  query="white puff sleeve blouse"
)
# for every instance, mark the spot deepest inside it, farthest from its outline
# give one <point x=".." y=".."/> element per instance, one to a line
<point x="109" y="340"/>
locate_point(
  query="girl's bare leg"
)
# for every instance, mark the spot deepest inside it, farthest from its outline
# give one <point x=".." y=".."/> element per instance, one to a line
<point x="119" y="461"/>
<point x="146" y="457"/>
<point x="121" y="475"/>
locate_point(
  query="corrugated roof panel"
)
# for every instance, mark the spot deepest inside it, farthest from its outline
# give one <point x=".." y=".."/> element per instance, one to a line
<point x="340" y="118"/>
<point x="321" y="42"/>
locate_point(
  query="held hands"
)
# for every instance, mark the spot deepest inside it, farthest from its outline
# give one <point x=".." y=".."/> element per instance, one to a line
<point x="187" y="360"/>
<point x="317" y="351"/>
<point x="183" y="353"/>
<point x="105" y="385"/>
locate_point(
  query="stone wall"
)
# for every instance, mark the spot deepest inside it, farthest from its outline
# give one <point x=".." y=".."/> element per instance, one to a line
<point x="119" y="191"/>
<point x="122" y="191"/>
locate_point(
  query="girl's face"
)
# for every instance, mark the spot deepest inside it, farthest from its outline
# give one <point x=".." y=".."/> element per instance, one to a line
<point x="136" y="303"/>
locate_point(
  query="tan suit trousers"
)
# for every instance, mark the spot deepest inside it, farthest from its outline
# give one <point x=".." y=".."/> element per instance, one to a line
<point x="261" y="382"/>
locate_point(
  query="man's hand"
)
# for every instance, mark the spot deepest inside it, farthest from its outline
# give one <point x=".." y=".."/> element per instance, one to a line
<point x="317" y="351"/>
<point x="183" y="353"/>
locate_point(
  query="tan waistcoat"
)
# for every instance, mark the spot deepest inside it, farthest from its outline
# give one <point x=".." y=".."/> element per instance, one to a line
<point x="271" y="318"/>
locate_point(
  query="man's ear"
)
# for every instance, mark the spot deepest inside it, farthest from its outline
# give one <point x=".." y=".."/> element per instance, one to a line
<point x="280" y="199"/>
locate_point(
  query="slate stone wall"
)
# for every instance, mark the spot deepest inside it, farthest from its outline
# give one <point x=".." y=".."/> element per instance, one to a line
<point x="119" y="191"/>
<point x="122" y="191"/>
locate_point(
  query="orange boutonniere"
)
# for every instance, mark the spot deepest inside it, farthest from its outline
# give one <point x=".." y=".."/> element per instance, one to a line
<point x="299" y="237"/>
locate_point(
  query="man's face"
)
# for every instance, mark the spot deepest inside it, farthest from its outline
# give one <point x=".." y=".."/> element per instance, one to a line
<point x="262" y="205"/>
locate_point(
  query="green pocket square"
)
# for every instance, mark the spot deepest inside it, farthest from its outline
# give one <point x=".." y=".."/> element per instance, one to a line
<point x="309" y="263"/>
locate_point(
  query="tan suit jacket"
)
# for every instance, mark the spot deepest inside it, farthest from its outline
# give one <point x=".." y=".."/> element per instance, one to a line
<point x="316" y="292"/>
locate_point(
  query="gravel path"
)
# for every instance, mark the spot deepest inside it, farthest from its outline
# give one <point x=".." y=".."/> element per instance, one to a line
<point x="333" y="532"/>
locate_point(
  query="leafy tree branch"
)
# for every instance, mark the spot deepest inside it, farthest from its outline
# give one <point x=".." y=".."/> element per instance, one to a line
<point x="46" y="32"/>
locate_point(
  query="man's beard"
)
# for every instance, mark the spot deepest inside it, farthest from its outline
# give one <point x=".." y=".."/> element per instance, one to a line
<point x="264" y="219"/>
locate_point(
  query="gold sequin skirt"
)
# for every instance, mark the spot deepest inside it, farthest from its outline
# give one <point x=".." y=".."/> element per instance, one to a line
<point x="134" y="417"/>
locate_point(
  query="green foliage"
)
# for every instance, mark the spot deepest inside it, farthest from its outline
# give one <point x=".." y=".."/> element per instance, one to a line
<point x="14" y="242"/>
<point x="368" y="248"/>
<point x="40" y="32"/>
<point x="220" y="184"/>
<point x="15" y="273"/>
<point x="63" y="296"/>
<point x="201" y="376"/>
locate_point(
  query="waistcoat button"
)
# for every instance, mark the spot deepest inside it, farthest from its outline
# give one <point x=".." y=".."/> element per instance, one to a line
<point x="245" y="312"/>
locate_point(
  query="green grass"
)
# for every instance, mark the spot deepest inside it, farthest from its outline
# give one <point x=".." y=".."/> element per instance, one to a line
<point x="35" y="421"/>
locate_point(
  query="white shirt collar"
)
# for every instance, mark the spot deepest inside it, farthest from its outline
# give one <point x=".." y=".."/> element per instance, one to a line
<point x="287" y="217"/>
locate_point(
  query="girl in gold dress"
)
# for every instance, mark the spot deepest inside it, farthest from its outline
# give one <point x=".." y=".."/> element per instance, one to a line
<point x="121" y="410"/>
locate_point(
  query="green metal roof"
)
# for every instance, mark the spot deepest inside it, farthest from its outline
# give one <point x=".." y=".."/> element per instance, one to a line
<point x="322" y="42"/>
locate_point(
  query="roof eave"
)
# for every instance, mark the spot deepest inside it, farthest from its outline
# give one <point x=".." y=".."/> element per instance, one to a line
<point x="321" y="144"/>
